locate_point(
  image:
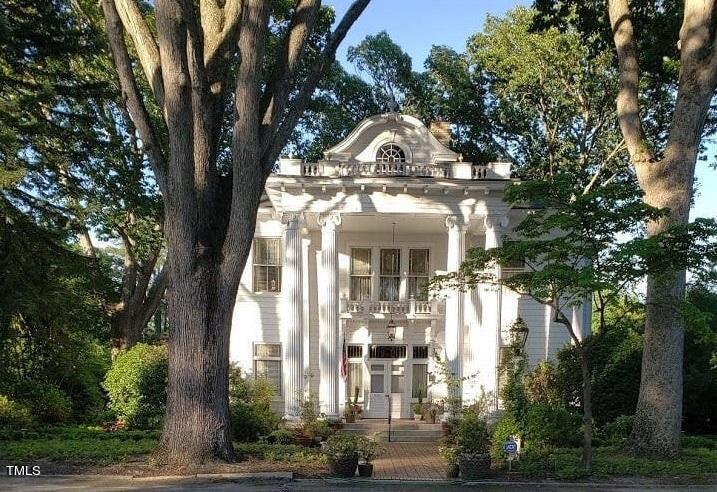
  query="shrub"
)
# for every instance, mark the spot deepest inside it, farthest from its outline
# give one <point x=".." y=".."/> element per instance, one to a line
<point x="47" y="403"/>
<point x="137" y="385"/>
<point x="340" y="445"/>
<point x="472" y="434"/>
<point x="281" y="436"/>
<point x="551" y="425"/>
<point x="541" y="385"/>
<point x="250" y="409"/>
<point x="12" y="414"/>
<point x="619" y="429"/>
<point x="318" y="430"/>
<point x="506" y="427"/>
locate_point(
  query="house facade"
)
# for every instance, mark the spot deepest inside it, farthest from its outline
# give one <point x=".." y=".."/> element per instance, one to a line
<point x="332" y="302"/>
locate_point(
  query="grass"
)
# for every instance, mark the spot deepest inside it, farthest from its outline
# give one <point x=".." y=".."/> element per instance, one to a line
<point x="92" y="446"/>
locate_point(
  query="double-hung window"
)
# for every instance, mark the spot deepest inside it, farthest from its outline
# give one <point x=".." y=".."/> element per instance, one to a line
<point x="360" y="274"/>
<point x="267" y="264"/>
<point x="418" y="261"/>
<point x="267" y="364"/>
<point x="419" y="384"/>
<point x="354" y="381"/>
<point x="390" y="276"/>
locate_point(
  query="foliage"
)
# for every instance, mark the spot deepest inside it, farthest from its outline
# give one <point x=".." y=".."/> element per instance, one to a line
<point x="551" y="426"/>
<point x="504" y="429"/>
<point x="48" y="403"/>
<point x="250" y="408"/>
<point x="318" y="430"/>
<point x="340" y="445"/>
<point x="369" y="450"/>
<point x="309" y="410"/>
<point x="136" y="385"/>
<point x="448" y="450"/>
<point x="541" y="386"/>
<point x="471" y="433"/>
<point x="617" y="431"/>
<point x="13" y="415"/>
<point x="280" y="453"/>
<point x="281" y="436"/>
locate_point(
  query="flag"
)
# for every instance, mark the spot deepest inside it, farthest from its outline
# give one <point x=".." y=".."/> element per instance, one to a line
<point x="344" y="361"/>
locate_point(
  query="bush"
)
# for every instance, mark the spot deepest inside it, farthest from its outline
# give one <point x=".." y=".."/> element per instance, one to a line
<point x="318" y="430"/>
<point x="541" y="384"/>
<point x="472" y="434"/>
<point x="506" y="427"/>
<point x="551" y="425"/>
<point x="617" y="431"/>
<point x="137" y="385"/>
<point x="47" y="403"/>
<point x="13" y="415"/>
<point x="250" y="407"/>
<point x="281" y="436"/>
<point x="340" y="445"/>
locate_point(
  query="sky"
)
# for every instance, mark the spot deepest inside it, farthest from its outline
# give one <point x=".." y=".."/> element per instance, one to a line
<point x="416" y="25"/>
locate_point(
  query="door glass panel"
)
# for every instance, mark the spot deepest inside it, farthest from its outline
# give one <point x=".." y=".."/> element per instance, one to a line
<point x="397" y="383"/>
<point x="376" y="383"/>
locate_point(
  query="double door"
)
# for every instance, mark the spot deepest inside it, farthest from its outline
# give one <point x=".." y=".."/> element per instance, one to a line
<point x="387" y="389"/>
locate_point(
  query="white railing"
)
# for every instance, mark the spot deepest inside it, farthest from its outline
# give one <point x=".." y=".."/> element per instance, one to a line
<point x="393" y="169"/>
<point x="479" y="172"/>
<point x="405" y="308"/>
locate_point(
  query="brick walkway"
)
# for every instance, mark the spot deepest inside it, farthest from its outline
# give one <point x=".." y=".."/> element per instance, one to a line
<point x="409" y="461"/>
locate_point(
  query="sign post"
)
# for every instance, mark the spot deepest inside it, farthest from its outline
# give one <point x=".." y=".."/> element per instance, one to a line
<point x="510" y="448"/>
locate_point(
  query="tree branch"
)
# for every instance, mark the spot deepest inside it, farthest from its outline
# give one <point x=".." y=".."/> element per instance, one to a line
<point x="287" y="125"/>
<point x="144" y="43"/>
<point x="628" y="106"/>
<point x="131" y="95"/>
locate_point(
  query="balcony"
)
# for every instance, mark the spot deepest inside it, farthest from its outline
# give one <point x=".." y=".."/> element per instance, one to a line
<point x="380" y="309"/>
<point x="452" y="170"/>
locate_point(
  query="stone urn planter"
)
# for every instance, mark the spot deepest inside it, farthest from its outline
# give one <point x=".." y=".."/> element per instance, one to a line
<point x="474" y="466"/>
<point x="452" y="470"/>
<point x="343" y="466"/>
<point x="365" y="469"/>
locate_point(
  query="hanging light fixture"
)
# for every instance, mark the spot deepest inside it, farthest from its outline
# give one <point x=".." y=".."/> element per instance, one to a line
<point x="518" y="335"/>
<point x="391" y="326"/>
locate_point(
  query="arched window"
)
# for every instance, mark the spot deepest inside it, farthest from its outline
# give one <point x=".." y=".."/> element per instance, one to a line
<point x="390" y="153"/>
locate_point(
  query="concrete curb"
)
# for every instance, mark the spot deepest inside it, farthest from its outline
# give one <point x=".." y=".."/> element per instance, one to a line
<point x="283" y="476"/>
<point x="465" y="483"/>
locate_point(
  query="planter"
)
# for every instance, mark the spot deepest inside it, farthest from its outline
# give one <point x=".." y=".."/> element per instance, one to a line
<point x="365" y="469"/>
<point x="343" y="466"/>
<point x="416" y="416"/>
<point x="350" y="419"/>
<point x="474" y="466"/>
<point x="452" y="470"/>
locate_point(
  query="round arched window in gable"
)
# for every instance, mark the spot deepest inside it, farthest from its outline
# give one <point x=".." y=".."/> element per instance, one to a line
<point x="390" y="153"/>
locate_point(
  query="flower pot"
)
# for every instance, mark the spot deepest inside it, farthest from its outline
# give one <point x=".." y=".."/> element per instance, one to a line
<point x="474" y="466"/>
<point x="343" y="466"/>
<point x="365" y="469"/>
<point x="416" y="416"/>
<point x="452" y="470"/>
<point x="350" y="419"/>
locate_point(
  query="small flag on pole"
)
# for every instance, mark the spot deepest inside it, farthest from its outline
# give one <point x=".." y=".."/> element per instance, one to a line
<point x="344" y="361"/>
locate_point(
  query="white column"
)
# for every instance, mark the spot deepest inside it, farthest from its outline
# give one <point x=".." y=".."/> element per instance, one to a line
<point x="454" y="301"/>
<point x="328" y="281"/>
<point x="493" y="302"/>
<point x="293" y="319"/>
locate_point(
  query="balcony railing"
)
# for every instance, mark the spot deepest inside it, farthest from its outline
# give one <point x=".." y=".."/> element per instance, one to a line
<point x="453" y="170"/>
<point x="409" y="308"/>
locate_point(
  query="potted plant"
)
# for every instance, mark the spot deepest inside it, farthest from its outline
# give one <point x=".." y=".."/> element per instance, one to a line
<point x="418" y="407"/>
<point x="473" y="446"/>
<point x="449" y="452"/>
<point x="368" y="451"/>
<point x="432" y="413"/>
<point x="352" y="410"/>
<point x="342" y="451"/>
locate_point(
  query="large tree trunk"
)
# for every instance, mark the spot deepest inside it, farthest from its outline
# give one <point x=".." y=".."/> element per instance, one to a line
<point x="668" y="184"/>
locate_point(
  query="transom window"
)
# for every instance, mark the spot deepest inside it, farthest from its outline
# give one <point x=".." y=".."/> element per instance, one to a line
<point x="360" y="274"/>
<point x="387" y="351"/>
<point x="390" y="281"/>
<point x="418" y="261"/>
<point x="390" y="153"/>
<point x="267" y="264"/>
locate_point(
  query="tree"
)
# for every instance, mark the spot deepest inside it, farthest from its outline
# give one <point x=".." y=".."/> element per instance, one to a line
<point x="206" y="61"/>
<point x="667" y="181"/>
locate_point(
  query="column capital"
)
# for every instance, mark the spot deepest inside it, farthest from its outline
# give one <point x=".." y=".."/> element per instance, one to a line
<point x="292" y="220"/>
<point x="455" y="221"/>
<point x="492" y="222"/>
<point x="332" y="221"/>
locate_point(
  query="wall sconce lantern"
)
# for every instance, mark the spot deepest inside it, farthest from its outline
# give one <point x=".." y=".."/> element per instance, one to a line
<point x="391" y="329"/>
<point x="518" y="335"/>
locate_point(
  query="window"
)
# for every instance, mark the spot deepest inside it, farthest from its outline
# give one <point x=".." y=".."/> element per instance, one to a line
<point x="377" y="378"/>
<point x="418" y="260"/>
<point x="387" y="351"/>
<point x="354" y="351"/>
<point x="267" y="264"/>
<point x="515" y="264"/>
<point x="360" y="274"/>
<point x="354" y="381"/>
<point x="420" y="381"/>
<point x="397" y="378"/>
<point x="420" y="351"/>
<point x="267" y="364"/>
<point x="390" y="279"/>
<point x="390" y="153"/>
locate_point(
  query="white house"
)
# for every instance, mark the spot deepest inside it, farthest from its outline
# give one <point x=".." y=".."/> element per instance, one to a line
<point x="342" y="249"/>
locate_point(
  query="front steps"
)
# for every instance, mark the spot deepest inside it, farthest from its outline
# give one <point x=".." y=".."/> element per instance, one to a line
<point x="401" y="430"/>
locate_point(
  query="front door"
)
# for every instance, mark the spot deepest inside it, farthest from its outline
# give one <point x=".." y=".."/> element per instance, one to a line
<point x="387" y="380"/>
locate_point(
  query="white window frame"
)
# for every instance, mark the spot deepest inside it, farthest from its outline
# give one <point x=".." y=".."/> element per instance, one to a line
<point x="255" y="358"/>
<point x="280" y="265"/>
<point x="370" y="276"/>
<point x="398" y="275"/>
<point x="360" y="361"/>
<point x="410" y="275"/>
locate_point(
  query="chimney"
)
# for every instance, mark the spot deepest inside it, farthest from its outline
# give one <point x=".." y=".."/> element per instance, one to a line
<point x="442" y="131"/>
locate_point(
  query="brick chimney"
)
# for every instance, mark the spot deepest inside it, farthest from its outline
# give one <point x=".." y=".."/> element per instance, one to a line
<point x="442" y="131"/>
